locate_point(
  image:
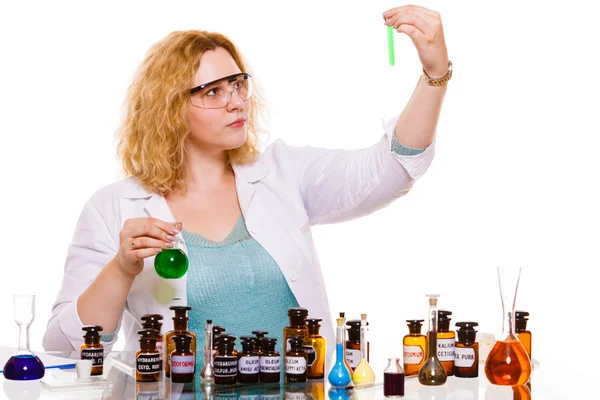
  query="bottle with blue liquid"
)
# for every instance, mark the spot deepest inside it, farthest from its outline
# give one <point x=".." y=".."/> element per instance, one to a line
<point x="24" y="365"/>
<point x="339" y="375"/>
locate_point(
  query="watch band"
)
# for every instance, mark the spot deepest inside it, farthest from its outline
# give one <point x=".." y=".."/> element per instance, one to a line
<point x="438" y="81"/>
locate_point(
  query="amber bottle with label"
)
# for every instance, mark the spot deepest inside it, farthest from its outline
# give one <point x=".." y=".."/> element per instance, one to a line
<point x="315" y="347"/>
<point x="180" y="327"/>
<point x="297" y="325"/>
<point x="445" y="341"/>
<point x="147" y="358"/>
<point x="353" y="344"/>
<point x="153" y="321"/>
<point x="295" y="360"/>
<point x="91" y="349"/>
<point x="226" y="362"/>
<point x="270" y="361"/>
<point x="217" y="330"/>
<point x="183" y="360"/>
<point x="414" y="347"/>
<point x="521" y="318"/>
<point x="248" y="361"/>
<point x="466" y="352"/>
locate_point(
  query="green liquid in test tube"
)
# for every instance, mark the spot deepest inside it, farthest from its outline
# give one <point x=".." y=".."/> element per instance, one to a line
<point x="390" y="32"/>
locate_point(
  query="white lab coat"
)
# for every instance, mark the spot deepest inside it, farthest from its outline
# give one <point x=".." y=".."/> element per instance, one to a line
<point x="281" y="195"/>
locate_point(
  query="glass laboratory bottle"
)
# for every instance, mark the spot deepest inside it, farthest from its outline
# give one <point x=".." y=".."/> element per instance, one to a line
<point x="432" y="373"/>
<point x="259" y="340"/>
<point x="314" y="345"/>
<point x="340" y="372"/>
<point x="208" y="373"/>
<point x="343" y="316"/>
<point x="521" y="318"/>
<point x="147" y="358"/>
<point x="226" y="362"/>
<point x="297" y="326"/>
<point x="295" y="360"/>
<point x="353" y="343"/>
<point x="414" y="346"/>
<point x="508" y="362"/>
<point x="183" y="360"/>
<point x="171" y="263"/>
<point x="363" y="373"/>
<point x="180" y="327"/>
<point x="270" y="362"/>
<point x="152" y="321"/>
<point x="217" y="330"/>
<point x="92" y="349"/>
<point x="466" y="352"/>
<point x="24" y="365"/>
<point x="393" y="379"/>
<point x="248" y="361"/>
<point x="445" y="341"/>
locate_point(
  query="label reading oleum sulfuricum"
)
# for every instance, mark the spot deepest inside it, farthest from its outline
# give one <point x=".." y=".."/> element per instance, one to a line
<point x="413" y="355"/>
<point x="445" y="349"/>
<point x="295" y="365"/>
<point x="353" y="357"/>
<point x="464" y="357"/>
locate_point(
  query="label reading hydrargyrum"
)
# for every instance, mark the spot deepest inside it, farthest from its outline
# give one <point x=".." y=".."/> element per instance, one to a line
<point x="183" y="364"/>
<point x="311" y="353"/>
<point x="249" y="365"/>
<point x="96" y="355"/>
<point x="413" y="355"/>
<point x="225" y="366"/>
<point x="270" y="364"/>
<point x="464" y="357"/>
<point x="445" y="349"/>
<point x="295" y="365"/>
<point x="353" y="357"/>
<point x="147" y="363"/>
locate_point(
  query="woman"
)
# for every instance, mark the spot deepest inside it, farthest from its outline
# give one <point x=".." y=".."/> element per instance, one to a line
<point x="189" y="146"/>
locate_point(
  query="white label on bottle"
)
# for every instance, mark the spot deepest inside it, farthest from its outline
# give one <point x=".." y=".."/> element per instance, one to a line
<point x="464" y="357"/>
<point x="94" y="354"/>
<point x="270" y="364"/>
<point x="445" y="349"/>
<point x="295" y="396"/>
<point x="225" y="366"/>
<point x="295" y="365"/>
<point x="159" y="348"/>
<point x="413" y="355"/>
<point x="182" y="364"/>
<point x="353" y="357"/>
<point x="249" y="365"/>
<point x="148" y="363"/>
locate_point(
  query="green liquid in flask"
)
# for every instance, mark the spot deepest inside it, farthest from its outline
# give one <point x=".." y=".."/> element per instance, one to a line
<point x="171" y="264"/>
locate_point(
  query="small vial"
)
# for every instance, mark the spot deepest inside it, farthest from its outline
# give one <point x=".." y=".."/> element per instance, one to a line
<point x="152" y="321"/>
<point x="183" y="360"/>
<point x="445" y="341"/>
<point x="466" y="353"/>
<point x="147" y="358"/>
<point x="295" y="360"/>
<point x="393" y="379"/>
<point x="226" y="362"/>
<point x="315" y="346"/>
<point x="248" y="361"/>
<point x="270" y="362"/>
<point x="92" y="349"/>
<point x="521" y="318"/>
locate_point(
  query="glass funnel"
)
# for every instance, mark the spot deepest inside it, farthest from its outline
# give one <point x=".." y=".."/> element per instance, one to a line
<point x="24" y="365"/>
<point x="508" y="362"/>
<point x="171" y="263"/>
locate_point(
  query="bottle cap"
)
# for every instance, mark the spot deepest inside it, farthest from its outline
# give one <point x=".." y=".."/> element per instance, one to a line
<point x="353" y="327"/>
<point x="466" y="331"/>
<point x="260" y="334"/>
<point x="180" y="311"/>
<point x="296" y="343"/>
<point x="444" y="320"/>
<point x="182" y="343"/>
<point x="248" y="343"/>
<point x="313" y="325"/>
<point x="152" y="321"/>
<point x="226" y="343"/>
<point x="217" y="331"/>
<point x="92" y="332"/>
<point x="414" y="325"/>
<point x="521" y="318"/>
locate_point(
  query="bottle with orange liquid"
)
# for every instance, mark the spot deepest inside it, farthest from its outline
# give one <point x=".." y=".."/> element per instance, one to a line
<point x="508" y="362"/>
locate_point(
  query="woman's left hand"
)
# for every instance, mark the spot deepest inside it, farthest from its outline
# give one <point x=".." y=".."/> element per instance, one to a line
<point x="425" y="29"/>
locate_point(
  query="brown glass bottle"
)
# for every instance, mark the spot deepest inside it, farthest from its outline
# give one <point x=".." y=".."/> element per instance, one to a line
<point x="446" y="340"/>
<point x="315" y="347"/>
<point x="414" y="347"/>
<point x="183" y="360"/>
<point x="248" y="361"/>
<point x="297" y="325"/>
<point x="217" y="330"/>
<point x="258" y="348"/>
<point x="295" y="360"/>
<point x="521" y="318"/>
<point x="147" y="358"/>
<point x="92" y="349"/>
<point x="353" y="355"/>
<point x="152" y="321"/>
<point x="225" y="361"/>
<point x="180" y="327"/>
<point x="270" y="362"/>
<point x="466" y="352"/>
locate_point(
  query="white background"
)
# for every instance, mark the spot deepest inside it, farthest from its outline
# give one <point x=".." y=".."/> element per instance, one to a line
<point x="514" y="181"/>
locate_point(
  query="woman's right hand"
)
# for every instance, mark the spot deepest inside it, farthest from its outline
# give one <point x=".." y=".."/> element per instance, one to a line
<point x="141" y="238"/>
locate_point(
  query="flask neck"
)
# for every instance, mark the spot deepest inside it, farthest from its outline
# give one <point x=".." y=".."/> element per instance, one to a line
<point x="23" y="338"/>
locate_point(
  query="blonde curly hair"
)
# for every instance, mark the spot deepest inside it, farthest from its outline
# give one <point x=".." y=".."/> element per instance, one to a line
<point x="154" y="130"/>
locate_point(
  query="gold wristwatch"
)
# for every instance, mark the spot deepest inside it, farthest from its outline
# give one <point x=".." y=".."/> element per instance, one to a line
<point x="438" y="81"/>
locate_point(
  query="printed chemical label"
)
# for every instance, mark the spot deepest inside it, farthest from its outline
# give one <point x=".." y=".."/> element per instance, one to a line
<point x="353" y="357"/>
<point x="311" y="353"/>
<point x="295" y="365"/>
<point x="270" y="364"/>
<point x="464" y="357"/>
<point x="225" y="366"/>
<point x="249" y="365"/>
<point x="147" y="363"/>
<point x="445" y="349"/>
<point x="413" y="355"/>
<point x="183" y="364"/>
<point x="96" y="355"/>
